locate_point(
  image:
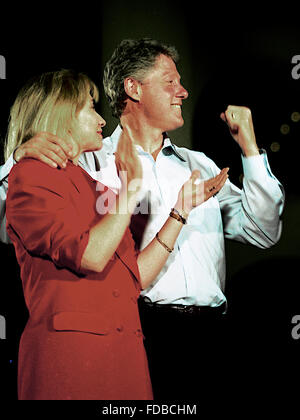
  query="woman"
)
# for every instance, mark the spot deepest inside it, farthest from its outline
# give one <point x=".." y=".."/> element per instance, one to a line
<point x="80" y="272"/>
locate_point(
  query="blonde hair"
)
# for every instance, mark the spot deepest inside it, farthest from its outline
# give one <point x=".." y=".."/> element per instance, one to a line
<point x="49" y="102"/>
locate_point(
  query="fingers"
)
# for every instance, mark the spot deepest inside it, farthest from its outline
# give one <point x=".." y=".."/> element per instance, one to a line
<point x="35" y="154"/>
<point x="127" y="146"/>
<point x="119" y="163"/>
<point x="54" y="153"/>
<point x="124" y="145"/>
<point x="213" y="185"/>
<point x="232" y="113"/>
<point x="127" y="155"/>
<point x="230" y="118"/>
<point x="195" y="191"/>
<point x="234" y="116"/>
<point x="195" y="177"/>
<point x="63" y="148"/>
<point x="47" y="148"/>
<point x="222" y="178"/>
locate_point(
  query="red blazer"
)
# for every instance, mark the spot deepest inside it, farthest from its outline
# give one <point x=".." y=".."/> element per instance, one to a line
<point x="83" y="338"/>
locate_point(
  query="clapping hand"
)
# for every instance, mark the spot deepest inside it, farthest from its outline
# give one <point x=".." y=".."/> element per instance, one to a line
<point x="195" y="191"/>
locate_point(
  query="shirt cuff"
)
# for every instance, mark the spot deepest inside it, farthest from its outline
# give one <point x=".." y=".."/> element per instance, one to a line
<point x="257" y="166"/>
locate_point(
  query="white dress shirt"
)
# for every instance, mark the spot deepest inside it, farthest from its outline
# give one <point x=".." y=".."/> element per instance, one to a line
<point x="194" y="273"/>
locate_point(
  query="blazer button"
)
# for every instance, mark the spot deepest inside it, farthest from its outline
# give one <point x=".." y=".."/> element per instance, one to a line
<point x="138" y="333"/>
<point x="120" y="328"/>
<point x="116" y="293"/>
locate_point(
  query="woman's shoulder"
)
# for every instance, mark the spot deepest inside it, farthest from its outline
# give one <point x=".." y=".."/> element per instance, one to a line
<point x="34" y="172"/>
<point x="30" y="166"/>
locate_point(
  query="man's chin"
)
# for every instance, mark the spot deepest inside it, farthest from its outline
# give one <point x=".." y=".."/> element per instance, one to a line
<point x="175" y="126"/>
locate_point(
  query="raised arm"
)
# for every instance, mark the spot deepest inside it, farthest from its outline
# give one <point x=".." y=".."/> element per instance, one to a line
<point x="107" y="234"/>
<point x="240" y="124"/>
<point x="252" y="214"/>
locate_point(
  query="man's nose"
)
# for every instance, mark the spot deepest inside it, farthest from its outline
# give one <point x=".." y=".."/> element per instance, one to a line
<point x="182" y="92"/>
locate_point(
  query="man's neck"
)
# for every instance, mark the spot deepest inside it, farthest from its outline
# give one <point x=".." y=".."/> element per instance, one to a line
<point x="149" y="138"/>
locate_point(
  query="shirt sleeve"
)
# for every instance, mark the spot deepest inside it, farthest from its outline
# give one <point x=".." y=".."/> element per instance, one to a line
<point x="42" y="216"/>
<point x="4" y="172"/>
<point x="253" y="214"/>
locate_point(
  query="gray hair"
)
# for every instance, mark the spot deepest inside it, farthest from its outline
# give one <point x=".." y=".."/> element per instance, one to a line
<point x="132" y="58"/>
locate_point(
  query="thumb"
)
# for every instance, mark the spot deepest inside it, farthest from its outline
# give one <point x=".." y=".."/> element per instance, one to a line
<point x="195" y="175"/>
<point x="118" y="162"/>
<point x="223" y="117"/>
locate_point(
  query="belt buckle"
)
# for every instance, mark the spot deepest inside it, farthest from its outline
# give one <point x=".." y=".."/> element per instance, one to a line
<point x="189" y="309"/>
<point x="180" y="308"/>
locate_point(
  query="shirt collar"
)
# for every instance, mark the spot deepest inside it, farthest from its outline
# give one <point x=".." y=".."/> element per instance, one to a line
<point x="168" y="148"/>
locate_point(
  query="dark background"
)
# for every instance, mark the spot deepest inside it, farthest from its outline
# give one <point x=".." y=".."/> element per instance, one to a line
<point x="229" y="55"/>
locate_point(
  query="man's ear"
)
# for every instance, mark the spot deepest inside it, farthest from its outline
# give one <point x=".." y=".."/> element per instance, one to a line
<point x="132" y="88"/>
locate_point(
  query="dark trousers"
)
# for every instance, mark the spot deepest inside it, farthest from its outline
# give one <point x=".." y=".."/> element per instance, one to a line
<point x="187" y="352"/>
<point x="240" y="356"/>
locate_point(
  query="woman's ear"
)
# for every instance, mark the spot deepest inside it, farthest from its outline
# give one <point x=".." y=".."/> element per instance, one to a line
<point x="132" y="88"/>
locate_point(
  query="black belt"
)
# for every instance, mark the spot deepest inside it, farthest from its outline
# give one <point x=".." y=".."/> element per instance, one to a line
<point x="182" y="309"/>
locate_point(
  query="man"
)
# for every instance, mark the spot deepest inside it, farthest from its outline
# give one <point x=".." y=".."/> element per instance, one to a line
<point x="182" y="313"/>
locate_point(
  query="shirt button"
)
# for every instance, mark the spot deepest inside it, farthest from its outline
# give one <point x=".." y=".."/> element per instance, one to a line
<point x="120" y="328"/>
<point x="116" y="293"/>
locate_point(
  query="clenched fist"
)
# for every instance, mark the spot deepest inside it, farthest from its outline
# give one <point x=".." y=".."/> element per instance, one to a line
<point x="239" y="121"/>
